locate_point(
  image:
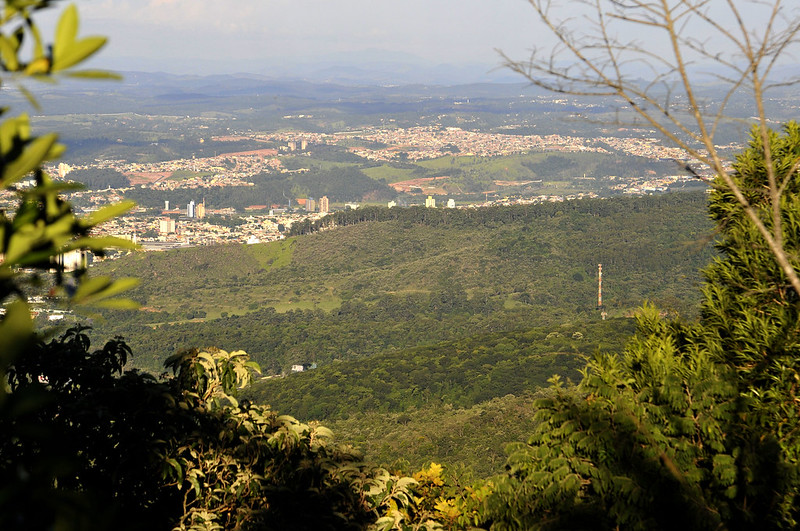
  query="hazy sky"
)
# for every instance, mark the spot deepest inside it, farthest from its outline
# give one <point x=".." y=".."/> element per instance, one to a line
<point x="269" y="36"/>
<point x="183" y="33"/>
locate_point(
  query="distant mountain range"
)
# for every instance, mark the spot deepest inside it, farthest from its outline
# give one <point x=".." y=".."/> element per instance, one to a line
<point x="366" y="67"/>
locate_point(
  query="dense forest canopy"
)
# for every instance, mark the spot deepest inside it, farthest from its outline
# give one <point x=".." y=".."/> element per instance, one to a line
<point x="99" y="178"/>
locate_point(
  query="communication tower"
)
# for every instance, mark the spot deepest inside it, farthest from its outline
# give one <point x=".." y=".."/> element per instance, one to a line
<point x="600" y="306"/>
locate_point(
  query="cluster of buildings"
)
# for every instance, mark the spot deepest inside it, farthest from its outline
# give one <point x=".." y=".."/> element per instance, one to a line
<point x="164" y="232"/>
<point x="189" y="225"/>
<point x="309" y="204"/>
<point x="428" y="142"/>
<point x="430" y="202"/>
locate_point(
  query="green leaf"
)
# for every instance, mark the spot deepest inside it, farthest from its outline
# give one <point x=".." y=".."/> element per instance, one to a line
<point x="29" y="96"/>
<point x="8" y="53"/>
<point x="97" y="288"/>
<point x="14" y="128"/>
<point x="18" y="248"/>
<point x="66" y="31"/>
<point x="16" y="331"/>
<point x="77" y="52"/>
<point x="108" y="212"/>
<point x="99" y="244"/>
<point x="35" y="154"/>
<point x="93" y="74"/>
<point x="118" y="304"/>
<point x="67" y="49"/>
<point x="177" y="467"/>
<point x="38" y="67"/>
<point x="192" y="479"/>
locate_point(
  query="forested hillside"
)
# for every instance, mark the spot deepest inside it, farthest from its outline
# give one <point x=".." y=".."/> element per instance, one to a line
<point x="415" y="277"/>
<point x="461" y="373"/>
<point x="390" y="404"/>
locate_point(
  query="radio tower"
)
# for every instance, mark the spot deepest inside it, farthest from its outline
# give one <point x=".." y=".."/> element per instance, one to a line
<point x="600" y="292"/>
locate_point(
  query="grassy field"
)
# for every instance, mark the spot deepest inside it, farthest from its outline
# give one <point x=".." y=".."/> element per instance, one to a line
<point x="389" y="174"/>
<point x="182" y="175"/>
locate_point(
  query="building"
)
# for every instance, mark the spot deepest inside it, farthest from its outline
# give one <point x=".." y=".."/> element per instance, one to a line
<point x="200" y="211"/>
<point x="430" y="202"/>
<point x="166" y="226"/>
<point x="324" y="204"/>
<point x="190" y="209"/>
<point x="72" y="260"/>
<point x="63" y="170"/>
<point x="303" y="367"/>
<point x="311" y="205"/>
<point x="451" y="203"/>
<point x="391" y="204"/>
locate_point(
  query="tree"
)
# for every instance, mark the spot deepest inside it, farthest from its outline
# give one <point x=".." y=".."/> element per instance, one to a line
<point x="108" y="449"/>
<point x="695" y="425"/>
<point x="595" y="57"/>
<point x="42" y="227"/>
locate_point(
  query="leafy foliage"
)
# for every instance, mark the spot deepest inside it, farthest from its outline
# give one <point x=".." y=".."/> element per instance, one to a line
<point x="43" y="225"/>
<point x="694" y="426"/>
<point x="470" y="440"/>
<point x="461" y="373"/>
<point x="247" y="466"/>
<point x="127" y="451"/>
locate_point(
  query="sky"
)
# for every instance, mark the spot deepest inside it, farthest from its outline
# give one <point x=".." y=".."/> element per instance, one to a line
<point x="284" y="38"/>
<point x="213" y="36"/>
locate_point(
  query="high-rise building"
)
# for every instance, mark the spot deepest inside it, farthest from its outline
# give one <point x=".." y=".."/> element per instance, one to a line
<point x="166" y="204"/>
<point x="324" y="205"/>
<point x="303" y="144"/>
<point x="166" y="226"/>
<point x="63" y="169"/>
<point x="72" y="260"/>
<point x="190" y="209"/>
<point x="200" y="211"/>
<point x="311" y="205"/>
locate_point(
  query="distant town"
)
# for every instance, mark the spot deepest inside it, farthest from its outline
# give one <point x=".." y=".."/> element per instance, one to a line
<point x="189" y="224"/>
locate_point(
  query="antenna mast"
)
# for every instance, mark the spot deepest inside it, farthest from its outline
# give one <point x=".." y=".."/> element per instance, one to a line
<point x="600" y="292"/>
<point x="599" y="285"/>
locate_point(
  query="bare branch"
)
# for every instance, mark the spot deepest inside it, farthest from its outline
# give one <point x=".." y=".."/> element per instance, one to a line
<point x="598" y="63"/>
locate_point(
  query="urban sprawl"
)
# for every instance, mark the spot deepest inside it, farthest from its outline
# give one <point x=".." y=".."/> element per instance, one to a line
<point x="185" y="225"/>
